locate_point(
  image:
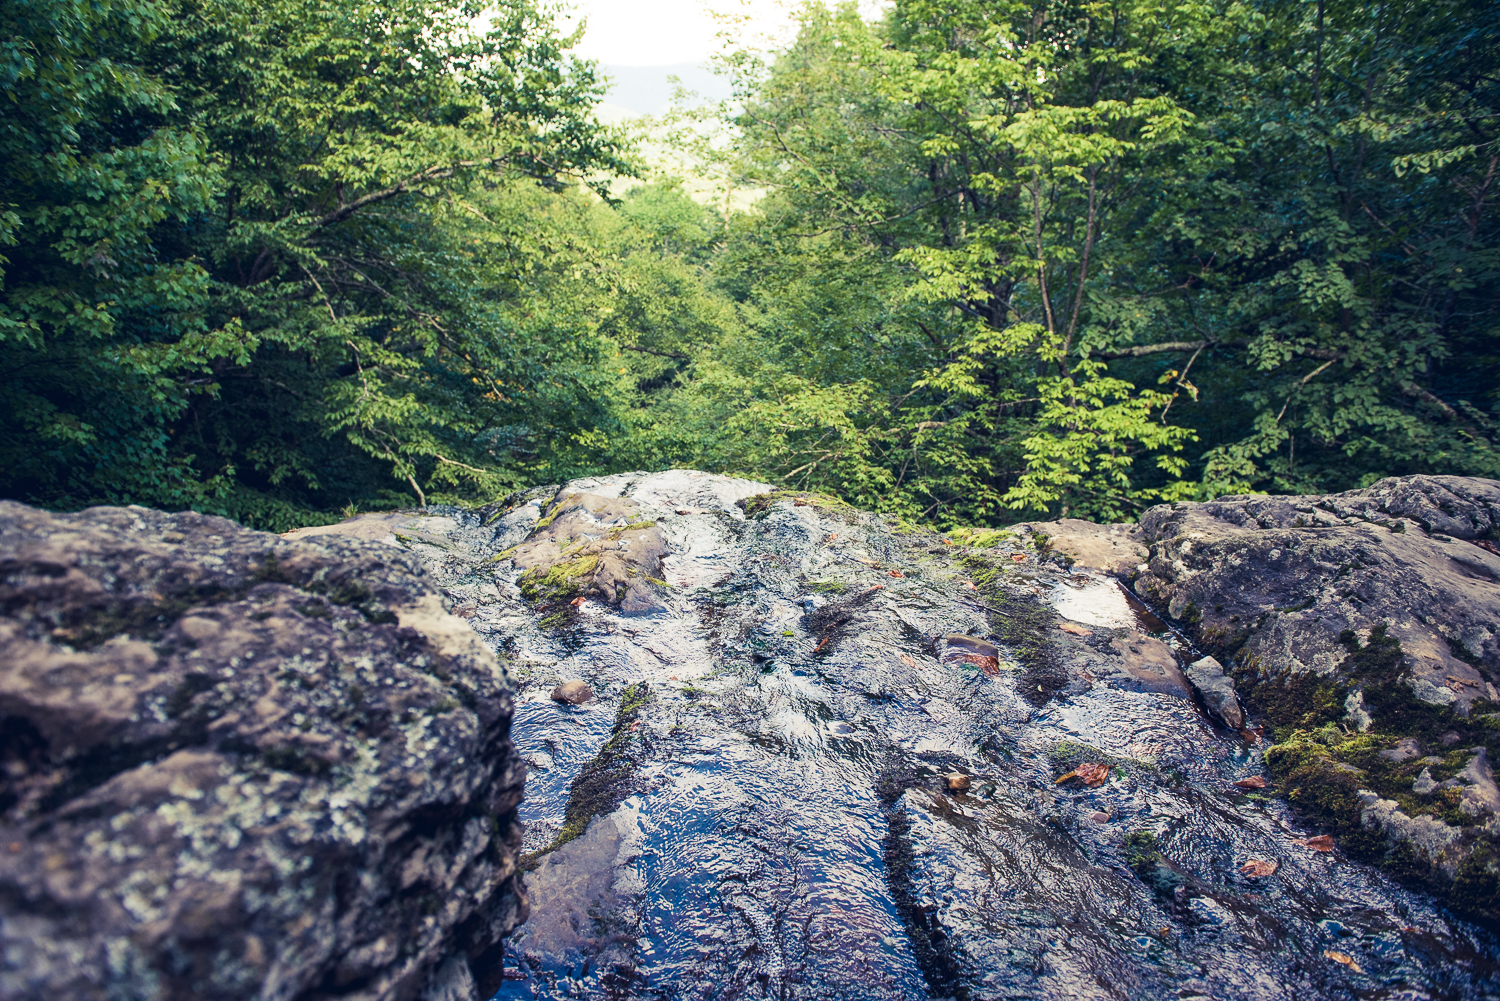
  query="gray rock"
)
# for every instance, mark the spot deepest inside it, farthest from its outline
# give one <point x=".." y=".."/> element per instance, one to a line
<point x="1424" y="783"/>
<point x="764" y="813"/>
<point x="1216" y="690"/>
<point x="1276" y="580"/>
<point x="1406" y="748"/>
<point x="1354" y="708"/>
<point x="240" y="766"/>
<point x="1428" y="834"/>
<point x="1116" y="549"/>
<point x="1482" y="797"/>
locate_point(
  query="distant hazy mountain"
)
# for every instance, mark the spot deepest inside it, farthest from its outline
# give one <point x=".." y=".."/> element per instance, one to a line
<point x="646" y="90"/>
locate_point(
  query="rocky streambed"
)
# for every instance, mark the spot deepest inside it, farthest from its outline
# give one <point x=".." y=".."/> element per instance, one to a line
<point x="824" y="755"/>
<point x="774" y="747"/>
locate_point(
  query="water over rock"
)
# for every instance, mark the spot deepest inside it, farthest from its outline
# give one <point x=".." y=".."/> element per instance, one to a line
<point x="236" y="766"/>
<point x="758" y="803"/>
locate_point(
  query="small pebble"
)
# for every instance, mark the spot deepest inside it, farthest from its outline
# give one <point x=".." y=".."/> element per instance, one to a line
<point x="1099" y="818"/>
<point x="574" y="693"/>
<point x="958" y="782"/>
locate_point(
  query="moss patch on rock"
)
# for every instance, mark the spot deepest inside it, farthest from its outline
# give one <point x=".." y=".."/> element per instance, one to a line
<point x="607" y="779"/>
<point x="1021" y="621"/>
<point x="1413" y="755"/>
<point x="559" y="581"/>
<point x="758" y="505"/>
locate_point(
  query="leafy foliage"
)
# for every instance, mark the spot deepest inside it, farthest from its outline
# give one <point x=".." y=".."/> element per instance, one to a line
<point x="279" y="259"/>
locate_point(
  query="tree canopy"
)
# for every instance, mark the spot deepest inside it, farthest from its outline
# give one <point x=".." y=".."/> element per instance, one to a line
<point x="280" y="259"/>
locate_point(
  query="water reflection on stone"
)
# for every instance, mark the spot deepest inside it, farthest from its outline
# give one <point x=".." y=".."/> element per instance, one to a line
<point x="783" y="823"/>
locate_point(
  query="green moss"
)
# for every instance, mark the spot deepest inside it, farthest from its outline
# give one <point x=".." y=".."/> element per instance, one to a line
<point x="1022" y="622"/>
<point x="757" y="506"/>
<point x="1320" y="766"/>
<point x="559" y="581"/>
<point x="500" y="557"/>
<point x="1069" y="754"/>
<point x="1142" y="852"/>
<point x="1300" y="702"/>
<point x="979" y="538"/>
<point x="826" y="586"/>
<point x="606" y="780"/>
<point x="550" y="515"/>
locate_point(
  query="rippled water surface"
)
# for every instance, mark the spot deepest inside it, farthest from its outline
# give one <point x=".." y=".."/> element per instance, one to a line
<point x="788" y="829"/>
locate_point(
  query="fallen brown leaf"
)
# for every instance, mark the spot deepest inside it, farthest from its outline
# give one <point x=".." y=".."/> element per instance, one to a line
<point x="1321" y="843"/>
<point x="895" y="573"/>
<point x="1075" y="629"/>
<point x="1093" y="774"/>
<point x="906" y="659"/>
<point x="1064" y="777"/>
<point x="835" y="535"/>
<point x="578" y="601"/>
<point x="1018" y="557"/>
<point x="1343" y="958"/>
<point x="1253" y="782"/>
<point x="800" y="502"/>
<point x="1258" y="867"/>
<point x="823" y="643"/>
<point x="989" y="665"/>
<point x="971" y="586"/>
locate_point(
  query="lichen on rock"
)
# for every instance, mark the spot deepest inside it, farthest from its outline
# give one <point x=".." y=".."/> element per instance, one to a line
<point x="238" y="766"/>
<point x="1364" y="629"/>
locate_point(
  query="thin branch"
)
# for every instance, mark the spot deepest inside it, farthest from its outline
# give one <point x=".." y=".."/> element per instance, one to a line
<point x="431" y="173"/>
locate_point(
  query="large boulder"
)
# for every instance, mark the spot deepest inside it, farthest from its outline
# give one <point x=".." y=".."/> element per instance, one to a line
<point x="1363" y="631"/>
<point x="1273" y="582"/>
<point x="236" y="766"/>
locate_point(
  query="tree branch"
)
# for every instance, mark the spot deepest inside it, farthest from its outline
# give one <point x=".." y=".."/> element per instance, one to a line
<point x="440" y="170"/>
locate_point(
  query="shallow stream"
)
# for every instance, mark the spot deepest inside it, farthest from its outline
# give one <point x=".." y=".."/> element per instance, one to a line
<point x="787" y="829"/>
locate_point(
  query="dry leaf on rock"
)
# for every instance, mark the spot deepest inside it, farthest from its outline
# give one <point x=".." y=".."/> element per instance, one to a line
<point x="1258" y="867"/>
<point x="1343" y="958"/>
<point x="578" y="601"/>
<point x="1018" y="557"/>
<point x="1321" y="843"/>
<point x="1093" y="774"/>
<point x="989" y="665"/>
<point x="906" y="659"/>
<point x="1253" y="782"/>
<point x="1075" y="629"/>
<point x="895" y="573"/>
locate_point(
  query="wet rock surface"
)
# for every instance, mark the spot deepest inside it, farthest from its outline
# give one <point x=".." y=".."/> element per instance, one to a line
<point x="1363" y="631"/>
<point x="758" y="803"/>
<point x="236" y="766"/>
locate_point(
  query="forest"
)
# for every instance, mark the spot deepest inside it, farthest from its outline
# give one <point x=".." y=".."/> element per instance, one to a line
<point x="285" y="260"/>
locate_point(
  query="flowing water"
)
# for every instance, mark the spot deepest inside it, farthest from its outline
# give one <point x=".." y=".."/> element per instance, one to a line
<point x="787" y="828"/>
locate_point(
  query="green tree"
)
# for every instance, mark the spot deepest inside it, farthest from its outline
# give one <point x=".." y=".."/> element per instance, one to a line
<point x="290" y="309"/>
